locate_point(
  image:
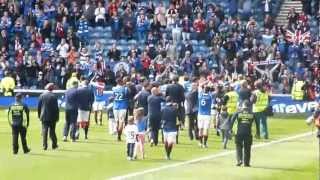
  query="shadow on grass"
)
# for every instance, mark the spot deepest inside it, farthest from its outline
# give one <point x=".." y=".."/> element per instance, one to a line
<point x="48" y="155"/>
<point x="275" y="168"/>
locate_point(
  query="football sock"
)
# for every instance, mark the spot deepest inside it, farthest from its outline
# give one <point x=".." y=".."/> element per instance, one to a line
<point x="205" y="138"/>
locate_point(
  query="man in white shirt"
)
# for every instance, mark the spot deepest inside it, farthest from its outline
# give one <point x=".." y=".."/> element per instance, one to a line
<point x="100" y="14"/>
<point x="63" y="49"/>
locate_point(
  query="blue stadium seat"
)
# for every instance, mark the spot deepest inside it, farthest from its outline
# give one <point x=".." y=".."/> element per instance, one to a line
<point x="194" y="42"/>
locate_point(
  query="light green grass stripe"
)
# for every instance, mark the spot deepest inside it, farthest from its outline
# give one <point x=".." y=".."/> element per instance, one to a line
<point x="148" y="171"/>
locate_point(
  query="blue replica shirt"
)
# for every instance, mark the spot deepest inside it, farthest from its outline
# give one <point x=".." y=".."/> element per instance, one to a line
<point x="120" y="94"/>
<point x="205" y="102"/>
<point x="98" y="88"/>
<point x="187" y="87"/>
<point x="142" y="125"/>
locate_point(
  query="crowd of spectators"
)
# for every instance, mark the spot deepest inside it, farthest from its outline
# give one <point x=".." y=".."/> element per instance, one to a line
<point x="46" y="41"/>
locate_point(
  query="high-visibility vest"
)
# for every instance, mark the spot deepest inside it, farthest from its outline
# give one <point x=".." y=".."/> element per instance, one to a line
<point x="7" y="85"/>
<point x="232" y="103"/>
<point x="262" y="101"/>
<point x="70" y="82"/>
<point x="297" y="93"/>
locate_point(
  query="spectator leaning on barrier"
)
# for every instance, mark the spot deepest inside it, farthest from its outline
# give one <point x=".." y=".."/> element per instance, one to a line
<point x="7" y="84"/>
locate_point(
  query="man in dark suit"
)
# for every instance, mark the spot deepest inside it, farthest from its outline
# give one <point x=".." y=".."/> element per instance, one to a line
<point x="71" y="110"/>
<point x="154" y="114"/>
<point x="176" y="92"/>
<point x="142" y="97"/>
<point x="192" y="111"/>
<point x="48" y="113"/>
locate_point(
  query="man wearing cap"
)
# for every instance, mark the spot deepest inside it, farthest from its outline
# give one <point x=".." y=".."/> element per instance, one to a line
<point x="243" y="137"/>
<point x="18" y="116"/>
<point x="71" y="110"/>
<point x="48" y="113"/>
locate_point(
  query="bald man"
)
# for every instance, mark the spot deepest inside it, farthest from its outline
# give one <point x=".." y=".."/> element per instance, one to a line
<point x="154" y="114"/>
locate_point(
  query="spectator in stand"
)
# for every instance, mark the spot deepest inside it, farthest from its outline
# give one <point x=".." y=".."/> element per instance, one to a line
<point x="199" y="26"/>
<point x="160" y="13"/>
<point x="63" y="49"/>
<point x="142" y="26"/>
<point x="186" y="28"/>
<point x="292" y="17"/>
<point x="72" y="56"/>
<point x="185" y="9"/>
<point x="128" y="22"/>
<point x="100" y="13"/>
<point x="171" y="16"/>
<point x="116" y="26"/>
<point x="83" y="29"/>
<point x="114" y="53"/>
<point x="187" y="46"/>
<point x="88" y="12"/>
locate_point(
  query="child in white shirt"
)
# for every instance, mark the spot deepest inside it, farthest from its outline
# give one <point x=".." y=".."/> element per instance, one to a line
<point x="131" y="132"/>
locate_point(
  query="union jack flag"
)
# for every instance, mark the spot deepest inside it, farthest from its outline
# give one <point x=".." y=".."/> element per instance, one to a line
<point x="298" y="36"/>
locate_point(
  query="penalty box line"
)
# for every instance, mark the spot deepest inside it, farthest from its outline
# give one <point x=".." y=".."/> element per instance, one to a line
<point x="139" y="173"/>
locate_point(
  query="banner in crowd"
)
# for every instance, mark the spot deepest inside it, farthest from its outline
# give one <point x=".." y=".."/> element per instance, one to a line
<point x="280" y="103"/>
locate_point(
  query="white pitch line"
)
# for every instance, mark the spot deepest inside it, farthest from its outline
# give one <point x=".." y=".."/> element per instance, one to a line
<point x="139" y="173"/>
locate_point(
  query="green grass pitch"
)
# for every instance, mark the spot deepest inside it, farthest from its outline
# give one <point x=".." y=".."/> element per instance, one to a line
<point x="101" y="157"/>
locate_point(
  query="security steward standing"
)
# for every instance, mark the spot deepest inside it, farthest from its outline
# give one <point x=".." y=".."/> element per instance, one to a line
<point x="231" y="100"/>
<point x="260" y="99"/>
<point x="243" y="137"/>
<point x="297" y="92"/>
<point x="19" y="123"/>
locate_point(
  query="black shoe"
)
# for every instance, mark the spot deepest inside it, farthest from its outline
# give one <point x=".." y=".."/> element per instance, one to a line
<point x="27" y="151"/>
<point x="86" y="137"/>
<point x="239" y="164"/>
<point x="119" y="138"/>
<point x="247" y="165"/>
<point x="55" y="147"/>
<point x="45" y="148"/>
<point x="15" y="153"/>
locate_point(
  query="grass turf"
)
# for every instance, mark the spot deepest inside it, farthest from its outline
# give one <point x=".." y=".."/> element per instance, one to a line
<point x="101" y="157"/>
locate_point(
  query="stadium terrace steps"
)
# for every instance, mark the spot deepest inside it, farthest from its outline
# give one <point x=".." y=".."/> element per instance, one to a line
<point x="284" y="10"/>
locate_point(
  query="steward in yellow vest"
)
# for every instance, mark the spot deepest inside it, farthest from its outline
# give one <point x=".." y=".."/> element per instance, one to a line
<point x="231" y="100"/>
<point x="260" y="99"/>
<point x="297" y="92"/>
<point x="72" y="79"/>
<point x="7" y="85"/>
<point x="18" y="117"/>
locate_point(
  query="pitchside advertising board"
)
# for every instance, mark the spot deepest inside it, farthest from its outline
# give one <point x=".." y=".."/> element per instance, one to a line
<point x="280" y="103"/>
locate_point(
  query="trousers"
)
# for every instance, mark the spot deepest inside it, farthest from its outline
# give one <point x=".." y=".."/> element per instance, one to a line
<point x="243" y="148"/>
<point x="71" y="123"/>
<point x="49" y="128"/>
<point x="193" y="126"/>
<point x="16" y="132"/>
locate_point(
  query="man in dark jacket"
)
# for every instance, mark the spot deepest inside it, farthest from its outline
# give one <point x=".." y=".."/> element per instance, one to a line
<point x="192" y="111"/>
<point x="176" y="92"/>
<point x="48" y="113"/>
<point x="19" y="123"/>
<point x="169" y="125"/>
<point x="142" y="97"/>
<point x="154" y="114"/>
<point x="85" y="99"/>
<point x="71" y="110"/>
